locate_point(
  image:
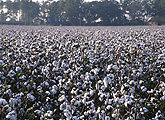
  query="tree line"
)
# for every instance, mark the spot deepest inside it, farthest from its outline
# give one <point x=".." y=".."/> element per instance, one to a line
<point x="78" y="12"/>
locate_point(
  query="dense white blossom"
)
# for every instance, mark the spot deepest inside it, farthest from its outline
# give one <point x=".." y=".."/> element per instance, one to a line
<point x="77" y="73"/>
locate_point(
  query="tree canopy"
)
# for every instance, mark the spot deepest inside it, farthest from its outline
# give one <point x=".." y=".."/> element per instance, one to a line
<point x="78" y="12"/>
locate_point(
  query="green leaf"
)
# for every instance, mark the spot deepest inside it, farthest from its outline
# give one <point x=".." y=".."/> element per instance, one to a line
<point x="19" y="74"/>
<point x="85" y="59"/>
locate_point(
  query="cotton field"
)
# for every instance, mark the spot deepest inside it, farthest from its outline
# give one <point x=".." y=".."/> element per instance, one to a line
<point x="82" y="73"/>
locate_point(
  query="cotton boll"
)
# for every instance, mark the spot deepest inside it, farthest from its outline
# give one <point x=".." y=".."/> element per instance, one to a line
<point x="47" y="92"/>
<point x="109" y="107"/>
<point x="18" y="69"/>
<point x="86" y="113"/>
<point x="75" y="118"/>
<point x="54" y="89"/>
<point x="106" y="82"/>
<point x="2" y="63"/>
<point x="12" y="115"/>
<point x="109" y="67"/>
<point x="3" y="102"/>
<point x="162" y="98"/>
<point x="115" y="67"/>
<point x="30" y="97"/>
<point x="7" y="108"/>
<point x="68" y="114"/>
<point x="143" y="88"/>
<point x="150" y="92"/>
<point x="114" y="115"/>
<point x="11" y="73"/>
<point x="62" y="98"/>
<point x="107" y="118"/>
<point x="13" y="101"/>
<point x="62" y="106"/>
<point x="38" y="112"/>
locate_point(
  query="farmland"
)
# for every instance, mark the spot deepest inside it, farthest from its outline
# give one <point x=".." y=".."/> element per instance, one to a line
<point x="82" y="72"/>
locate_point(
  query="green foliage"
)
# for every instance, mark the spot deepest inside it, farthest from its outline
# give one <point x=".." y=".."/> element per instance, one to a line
<point x="85" y="59"/>
<point x="159" y="12"/>
<point x="78" y="12"/>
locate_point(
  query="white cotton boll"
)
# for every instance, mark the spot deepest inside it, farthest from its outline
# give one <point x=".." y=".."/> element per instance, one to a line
<point x="141" y="101"/>
<point x="112" y="76"/>
<point x="115" y="67"/>
<point x="12" y="115"/>
<point x="164" y="91"/>
<point x="106" y="82"/>
<point x="107" y="118"/>
<point x="84" y="101"/>
<point x="86" y="113"/>
<point x="67" y="114"/>
<point x="114" y="115"/>
<point x="109" y="67"/>
<point x="47" y="84"/>
<point x="75" y="118"/>
<point x="150" y="92"/>
<point x="11" y="73"/>
<point x="162" y="98"/>
<point x="108" y="107"/>
<point x="145" y="109"/>
<point x="103" y="87"/>
<point x="38" y="112"/>
<point x="86" y="94"/>
<point x="143" y="88"/>
<point x="9" y="54"/>
<point x="132" y="82"/>
<point x="68" y="107"/>
<point x="47" y="92"/>
<point x="17" y="69"/>
<point x="3" y="102"/>
<point x="122" y="54"/>
<point x="62" y="98"/>
<point x="13" y="101"/>
<point x="30" y="97"/>
<point x="76" y="103"/>
<point x="82" y="117"/>
<point x="25" y="62"/>
<point x="50" y="113"/>
<point x="62" y="106"/>
<point x="91" y="92"/>
<point x="127" y="103"/>
<point x="73" y="100"/>
<point x="54" y="89"/>
<point x="23" y="77"/>
<point x="140" y="69"/>
<point x="141" y="82"/>
<point x="96" y="71"/>
<point x="8" y="108"/>
<point x="2" y="63"/>
<point x="153" y="99"/>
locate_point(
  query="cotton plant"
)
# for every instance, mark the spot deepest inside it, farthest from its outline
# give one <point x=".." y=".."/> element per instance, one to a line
<point x="48" y="73"/>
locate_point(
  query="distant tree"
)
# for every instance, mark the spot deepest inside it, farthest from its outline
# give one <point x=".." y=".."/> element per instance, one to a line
<point x="73" y="11"/>
<point x="30" y="10"/>
<point x="3" y="15"/>
<point x="109" y="12"/>
<point x="13" y="8"/>
<point x="138" y="11"/>
<point x="159" y="12"/>
<point x="54" y="13"/>
<point x="90" y="12"/>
